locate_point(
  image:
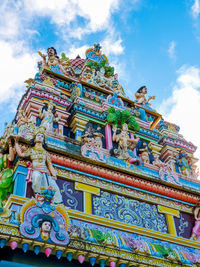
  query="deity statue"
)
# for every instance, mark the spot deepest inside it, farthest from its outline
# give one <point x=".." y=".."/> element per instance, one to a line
<point x="125" y="143"/>
<point x="196" y="229"/>
<point x="6" y="173"/>
<point x="42" y="174"/>
<point x="140" y="97"/>
<point x="100" y="78"/>
<point x="116" y="87"/>
<point x="160" y="164"/>
<point x="92" y="144"/>
<point x="143" y="153"/>
<point x="47" y="117"/>
<point x="182" y="163"/>
<point x="53" y="62"/>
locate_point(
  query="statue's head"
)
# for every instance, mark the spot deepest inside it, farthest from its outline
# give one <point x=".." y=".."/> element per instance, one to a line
<point x="46" y="226"/>
<point x="51" y="51"/>
<point x="125" y="127"/>
<point x="39" y="134"/>
<point x="142" y="89"/>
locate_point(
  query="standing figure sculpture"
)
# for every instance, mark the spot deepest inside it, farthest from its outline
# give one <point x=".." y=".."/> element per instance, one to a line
<point x="196" y="229"/>
<point x="41" y="174"/>
<point x="6" y="174"/>
<point x="47" y="117"/>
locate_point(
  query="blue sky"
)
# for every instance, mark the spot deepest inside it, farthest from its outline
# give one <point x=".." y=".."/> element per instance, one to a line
<point x="150" y="42"/>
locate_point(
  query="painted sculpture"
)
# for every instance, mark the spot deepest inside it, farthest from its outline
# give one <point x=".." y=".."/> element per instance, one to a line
<point x="41" y="174"/>
<point x="6" y="173"/>
<point x="42" y="221"/>
<point x="140" y="96"/>
<point x="128" y="176"/>
<point x="92" y="144"/>
<point x="47" y="117"/>
<point x="182" y="163"/>
<point x="53" y="62"/>
<point x="125" y="143"/>
<point x="196" y="229"/>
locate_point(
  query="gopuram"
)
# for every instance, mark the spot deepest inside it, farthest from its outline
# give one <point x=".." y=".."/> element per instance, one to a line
<point x="91" y="177"/>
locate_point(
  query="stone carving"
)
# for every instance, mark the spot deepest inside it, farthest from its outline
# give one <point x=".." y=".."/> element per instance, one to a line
<point x="6" y="173"/>
<point x="42" y="221"/>
<point x="92" y="144"/>
<point x="54" y="63"/>
<point x="47" y="117"/>
<point x="182" y="163"/>
<point x="165" y="171"/>
<point x="125" y="143"/>
<point x="140" y="97"/>
<point x="196" y="229"/>
<point x="41" y="172"/>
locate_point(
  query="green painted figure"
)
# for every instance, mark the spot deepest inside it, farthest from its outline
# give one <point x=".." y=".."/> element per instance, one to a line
<point x="6" y="174"/>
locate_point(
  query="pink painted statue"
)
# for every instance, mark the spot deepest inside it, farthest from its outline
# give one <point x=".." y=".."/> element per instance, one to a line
<point x="196" y="229"/>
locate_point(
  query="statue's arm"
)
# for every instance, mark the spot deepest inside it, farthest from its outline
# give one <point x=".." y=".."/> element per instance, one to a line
<point x="196" y="213"/>
<point x="19" y="151"/>
<point x="51" y="168"/>
<point x="11" y="154"/>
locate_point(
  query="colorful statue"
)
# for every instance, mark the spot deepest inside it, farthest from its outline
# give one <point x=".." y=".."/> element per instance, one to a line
<point x="42" y="221"/>
<point x="140" y="97"/>
<point x="182" y="164"/>
<point x="165" y="171"/>
<point x="48" y="118"/>
<point x="100" y="78"/>
<point x="196" y="229"/>
<point x="42" y="174"/>
<point x="6" y="173"/>
<point x="125" y="143"/>
<point x="92" y="144"/>
<point x="143" y="153"/>
<point x="53" y="62"/>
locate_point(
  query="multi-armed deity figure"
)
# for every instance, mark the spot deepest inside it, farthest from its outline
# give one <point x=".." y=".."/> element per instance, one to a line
<point x="42" y="172"/>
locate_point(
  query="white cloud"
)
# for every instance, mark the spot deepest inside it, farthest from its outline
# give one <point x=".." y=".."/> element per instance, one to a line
<point x="75" y="51"/>
<point x="111" y="45"/>
<point x="195" y="9"/>
<point x="15" y="68"/>
<point x="183" y="107"/>
<point x="172" y="50"/>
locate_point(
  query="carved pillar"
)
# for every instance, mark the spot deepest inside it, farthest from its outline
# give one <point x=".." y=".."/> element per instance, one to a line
<point x="108" y="135"/>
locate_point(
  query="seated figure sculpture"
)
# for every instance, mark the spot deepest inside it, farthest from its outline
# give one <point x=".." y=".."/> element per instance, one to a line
<point x="140" y="97"/>
<point x="124" y="144"/>
<point x="42" y="173"/>
<point x="53" y="61"/>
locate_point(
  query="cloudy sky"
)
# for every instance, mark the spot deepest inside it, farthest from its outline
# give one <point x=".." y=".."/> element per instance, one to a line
<point x="150" y="42"/>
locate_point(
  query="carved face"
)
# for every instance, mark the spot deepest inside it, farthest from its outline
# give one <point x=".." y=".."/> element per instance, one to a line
<point x="144" y="90"/>
<point x="51" y="52"/>
<point x="125" y="127"/>
<point x="46" y="227"/>
<point x="39" y="138"/>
